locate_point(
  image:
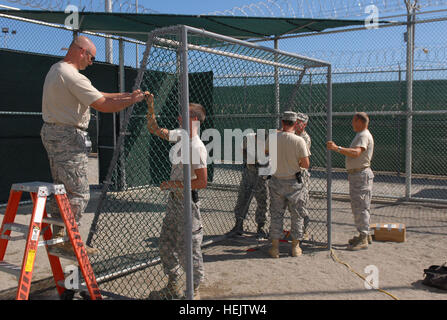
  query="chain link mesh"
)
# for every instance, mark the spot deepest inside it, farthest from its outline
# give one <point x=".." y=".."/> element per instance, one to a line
<point x="369" y="74"/>
<point x="236" y="86"/>
<point x="238" y="94"/>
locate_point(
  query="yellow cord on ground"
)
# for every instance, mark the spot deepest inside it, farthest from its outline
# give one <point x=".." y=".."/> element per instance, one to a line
<point x="334" y="256"/>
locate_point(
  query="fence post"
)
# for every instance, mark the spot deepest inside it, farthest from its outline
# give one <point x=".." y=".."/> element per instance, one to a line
<point x="109" y="42"/>
<point x="122" y="129"/>
<point x="409" y="76"/>
<point x="136" y="44"/>
<point x="186" y="167"/>
<point x="276" y="76"/>
<point x="329" y="157"/>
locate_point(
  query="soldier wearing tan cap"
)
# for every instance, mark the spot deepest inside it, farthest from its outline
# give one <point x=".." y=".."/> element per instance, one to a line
<point x="286" y="185"/>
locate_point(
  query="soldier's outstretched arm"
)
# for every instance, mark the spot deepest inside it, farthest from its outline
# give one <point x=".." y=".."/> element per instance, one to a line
<point x="152" y="124"/>
<point x="117" y="102"/>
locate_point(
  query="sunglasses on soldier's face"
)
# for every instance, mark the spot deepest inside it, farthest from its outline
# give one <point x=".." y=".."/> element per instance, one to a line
<point x="92" y="57"/>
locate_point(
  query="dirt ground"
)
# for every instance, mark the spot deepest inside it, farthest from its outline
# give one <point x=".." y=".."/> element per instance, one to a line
<point x="234" y="273"/>
<point x="239" y="268"/>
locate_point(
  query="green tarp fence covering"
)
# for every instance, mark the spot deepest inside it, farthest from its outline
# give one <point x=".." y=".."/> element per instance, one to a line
<point x="24" y="158"/>
<point x="136" y="26"/>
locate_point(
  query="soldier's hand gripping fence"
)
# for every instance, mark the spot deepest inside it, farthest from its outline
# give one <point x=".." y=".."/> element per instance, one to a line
<point x="148" y="236"/>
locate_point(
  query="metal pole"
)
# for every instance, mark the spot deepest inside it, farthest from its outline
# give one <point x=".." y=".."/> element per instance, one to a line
<point x="329" y="158"/>
<point x="245" y="91"/>
<point x="136" y="45"/>
<point x="310" y="91"/>
<point x="186" y="167"/>
<point x="122" y="129"/>
<point x="276" y="77"/>
<point x="109" y="42"/>
<point x="109" y="59"/>
<point x="409" y="76"/>
<point x="399" y="146"/>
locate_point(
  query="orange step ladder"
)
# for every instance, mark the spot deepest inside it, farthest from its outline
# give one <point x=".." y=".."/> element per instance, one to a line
<point x="40" y="223"/>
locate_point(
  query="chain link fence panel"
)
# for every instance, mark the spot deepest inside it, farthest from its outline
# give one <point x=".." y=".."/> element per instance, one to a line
<point x="239" y="95"/>
<point x="369" y="74"/>
<point x="235" y="82"/>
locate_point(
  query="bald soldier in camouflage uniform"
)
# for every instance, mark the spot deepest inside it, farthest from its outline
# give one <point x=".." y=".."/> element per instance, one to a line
<point x="66" y="100"/>
<point x="302" y="120"/>
<point x="360" y="177"/>
<point x="252" y="184"/>
<point x="286" y="185"/>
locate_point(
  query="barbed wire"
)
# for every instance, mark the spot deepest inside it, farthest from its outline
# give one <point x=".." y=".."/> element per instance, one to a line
<point x="322" y="8"/>
<point x="274" y="8"/>
<point x="382" y="59"/>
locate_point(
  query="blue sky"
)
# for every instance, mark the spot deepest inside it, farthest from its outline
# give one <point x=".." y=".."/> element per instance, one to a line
<point x="172" y="6"/>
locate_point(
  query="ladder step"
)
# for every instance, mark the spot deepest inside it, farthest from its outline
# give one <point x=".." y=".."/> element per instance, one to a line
<point x="9" y="238"/>
<point x="62" y="254"/>
<point x="55" y="221"/>
<point x="52" y="241"/>
<point x="17" y="227"/>
<point x="10" y="268"/>
<point x="43" y="189"/>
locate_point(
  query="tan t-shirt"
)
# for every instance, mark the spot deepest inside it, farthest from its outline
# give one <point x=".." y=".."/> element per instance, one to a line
<point x="290" y="149"/>
<point x="67" y="96"/>
<point x="198" y="157"/>
<point x="306" y="138"/>
<point x="365" y="140"/>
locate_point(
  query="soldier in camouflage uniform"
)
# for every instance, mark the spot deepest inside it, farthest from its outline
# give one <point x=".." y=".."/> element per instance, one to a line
<point x="252" y="185"/>
<point x="66" y="100"/>
<point x="286" y="185"/>
<point x="172" y="236"/>
<point x="302" y="120"/>
<point x="360" y="177"/>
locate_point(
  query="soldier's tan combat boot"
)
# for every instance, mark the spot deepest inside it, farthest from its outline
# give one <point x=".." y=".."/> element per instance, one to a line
<point x="359" y="243"/>
<point x="66" y="248"/>
<point x="196" y="294"/>
<point x="296" y="250"/>
<point x="274" y="250"/>
<point x="172" y="291"/>
<point x="351" y="241"/>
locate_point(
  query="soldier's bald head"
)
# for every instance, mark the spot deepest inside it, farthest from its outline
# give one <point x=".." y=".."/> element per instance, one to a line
<point x="84" y="42"/>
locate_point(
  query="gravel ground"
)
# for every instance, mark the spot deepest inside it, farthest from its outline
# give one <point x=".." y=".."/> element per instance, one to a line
<point x="239" y="268"/>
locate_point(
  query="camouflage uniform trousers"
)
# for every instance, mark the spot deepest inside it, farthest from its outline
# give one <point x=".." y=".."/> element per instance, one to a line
<point x="286" y="194"/>
<point x="360" y="189"/>
<point x="305" y="195"/>
<point x="251" y="182"/>
<point x="172" y="240"/>
<point x="68" y="157"/>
